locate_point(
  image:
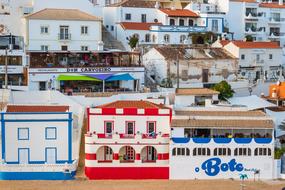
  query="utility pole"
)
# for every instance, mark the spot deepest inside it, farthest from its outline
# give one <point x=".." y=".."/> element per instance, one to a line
<point x="6" y="68"/>
<point x="177" y="66"/>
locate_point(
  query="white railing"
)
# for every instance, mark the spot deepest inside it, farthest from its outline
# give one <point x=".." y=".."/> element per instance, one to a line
<point x="170" y="28"/>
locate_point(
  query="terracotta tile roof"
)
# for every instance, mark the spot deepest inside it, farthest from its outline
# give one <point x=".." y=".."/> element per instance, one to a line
<point x="221" y="113"/>
<point x="272" y="5"/>
<point x="179" y="13"/>
<point x="137" y="25"/>
<point x="222" y="123"/>
<point x="193" y="53"/>
<point x="196" y="91"/>
<point x="256" y="45"/>
<point x="139" y="104"/>
<point x="38" y="108"/>
<point x="62" y="14"/>
<point x="134" y="3"/>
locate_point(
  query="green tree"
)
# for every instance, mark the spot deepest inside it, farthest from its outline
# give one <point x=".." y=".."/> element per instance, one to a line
<point x="133" y="41"/>
<point x="225" y="90"/>
<point x="249" y="38"/>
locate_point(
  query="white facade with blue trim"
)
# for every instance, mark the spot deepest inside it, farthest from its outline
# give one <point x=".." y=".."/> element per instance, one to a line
<point x="36" y="145"/>
<point x="215" y="144"/>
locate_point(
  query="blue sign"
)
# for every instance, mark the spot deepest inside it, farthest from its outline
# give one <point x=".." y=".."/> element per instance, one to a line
<point x="214" y="166"/>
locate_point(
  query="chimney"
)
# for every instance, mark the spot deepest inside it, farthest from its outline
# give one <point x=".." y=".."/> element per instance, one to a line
<point x="280" y="2"/>
<point x="157" y="5"/>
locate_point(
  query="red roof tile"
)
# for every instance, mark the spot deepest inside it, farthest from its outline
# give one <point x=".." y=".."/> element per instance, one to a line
<point x="39" y="108"/>
<point x="139" y="104"/>
<point x="137" y="25"/>
<point x="179" y="13"/>
<point x="272" y="5"/>
<point x="256" y="45"/>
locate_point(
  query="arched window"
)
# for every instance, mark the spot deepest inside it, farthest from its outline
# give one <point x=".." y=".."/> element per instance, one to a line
<point x="201" y="152"/>
<point x="153" y="38"/>
<point x="148" y="154"/>
<point x="181" y="22"/>
<point x="262" y="152"/>
<point x="174" y="152"/>
<point x="147" y="38"/>
<point x="171" y="22"/>
<point x="242" y="152"/>
<point x="166" y="38"/>
<point x="191" y="22"/>
<point x="222" y="152"/>
<point x="182" y="38"/>
<point x="187" y="152"/>
<point x="127" y="154"/>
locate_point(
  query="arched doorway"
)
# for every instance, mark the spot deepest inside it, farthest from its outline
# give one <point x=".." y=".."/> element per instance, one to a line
<point x="127" y="154"/>
<point x="104" y="154"/>
<point x="148" y="154"/>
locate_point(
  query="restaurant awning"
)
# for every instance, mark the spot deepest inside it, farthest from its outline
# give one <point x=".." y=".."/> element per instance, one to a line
<point x="76" y="78"/>
<point x="99" y="76"/>
<point x="120" y="77"/>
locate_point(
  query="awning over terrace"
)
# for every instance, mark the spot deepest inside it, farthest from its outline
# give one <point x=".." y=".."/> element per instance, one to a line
<point x="75" y="78"/>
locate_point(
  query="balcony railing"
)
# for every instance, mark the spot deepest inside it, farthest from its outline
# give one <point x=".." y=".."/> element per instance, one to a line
<point x="252" y="15"/>
<point x="275" y="35"/>
<point x="64" y="37"/>
<point x="170" y="28"/>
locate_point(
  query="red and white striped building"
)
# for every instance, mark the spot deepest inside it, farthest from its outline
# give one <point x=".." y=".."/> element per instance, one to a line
<point x="128" y="140"/>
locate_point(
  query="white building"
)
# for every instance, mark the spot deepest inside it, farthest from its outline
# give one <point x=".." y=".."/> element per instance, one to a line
<point x="12" y="52"/>
<point x="197" y="65"/>
<point x="128" y="140"/>
<point x="63" y="30"/>
<point x="257" y="60"/>
<point x="37" y="143"/>
<point x="191" y="97"/>
<point x="12" y="14"/>
<point x="221" y="144"/>
<point x="261" y="20"/>
<point x="158" y="23"/>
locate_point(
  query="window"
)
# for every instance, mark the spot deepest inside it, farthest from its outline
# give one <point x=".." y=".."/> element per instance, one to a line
<point x="64" y="48"/>
<point x="143" y="16"/>
<point x="172" y="22"/>
<point x="270" y="56"/>
<point x="109" y="126"/>
<point x="180" y="152"/>
<point x="84" y="30"/>
<point x="84" y="48"/>
<point x="112" y="28"/>
<point x="242" y="152"/>
<point x="44" y="48"/>
<point x="23" y="133"/>
<point x="50" y="133"/>
<point x="64" y="33"/>
<point x="128" y="16"/>
<point x="166" y="38"/>
<point x="44" y="30"/>
<point x="130" y="128"/>
<point x="191" y="22"/>
<point x="215" y="26"/>
<point x="257" y="57"/>
<point x="151" y="128"/>
<point x="222" y="152"/>
<point x="182" y="39"/>
<point x="262" y="152"/>
<point x="201" y="152"/>
<point x="107" y="2"/>
<point x="181" y="22"/>
<point x="147" y="38"/>
<point x="242" y="56"/>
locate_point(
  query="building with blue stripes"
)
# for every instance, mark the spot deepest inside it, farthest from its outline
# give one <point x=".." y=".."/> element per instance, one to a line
<point x="36" y="143"/>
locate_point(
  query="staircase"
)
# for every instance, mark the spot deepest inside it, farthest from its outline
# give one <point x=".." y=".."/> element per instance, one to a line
<point x="150" y="83"/>
<point x="110" y="42"/>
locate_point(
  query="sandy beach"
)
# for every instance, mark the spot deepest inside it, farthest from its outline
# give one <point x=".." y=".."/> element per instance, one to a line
<point x="141" y="185"/>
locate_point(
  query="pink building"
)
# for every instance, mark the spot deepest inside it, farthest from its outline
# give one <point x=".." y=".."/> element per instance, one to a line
<point x="128" y="140"/>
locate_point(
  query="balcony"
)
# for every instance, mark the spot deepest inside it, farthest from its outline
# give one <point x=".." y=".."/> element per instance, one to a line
<point x="254" y="30"/>
<point x="124" y="138"/>
<point x="272" y="20"/>
<point x="276" y="35"/>
<point x="169" y="28"/>
<point x="64" y="37"/>
<point x="237" y="140"/>
<point x="84" y="59"/>
<point x="253" y="16"/>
